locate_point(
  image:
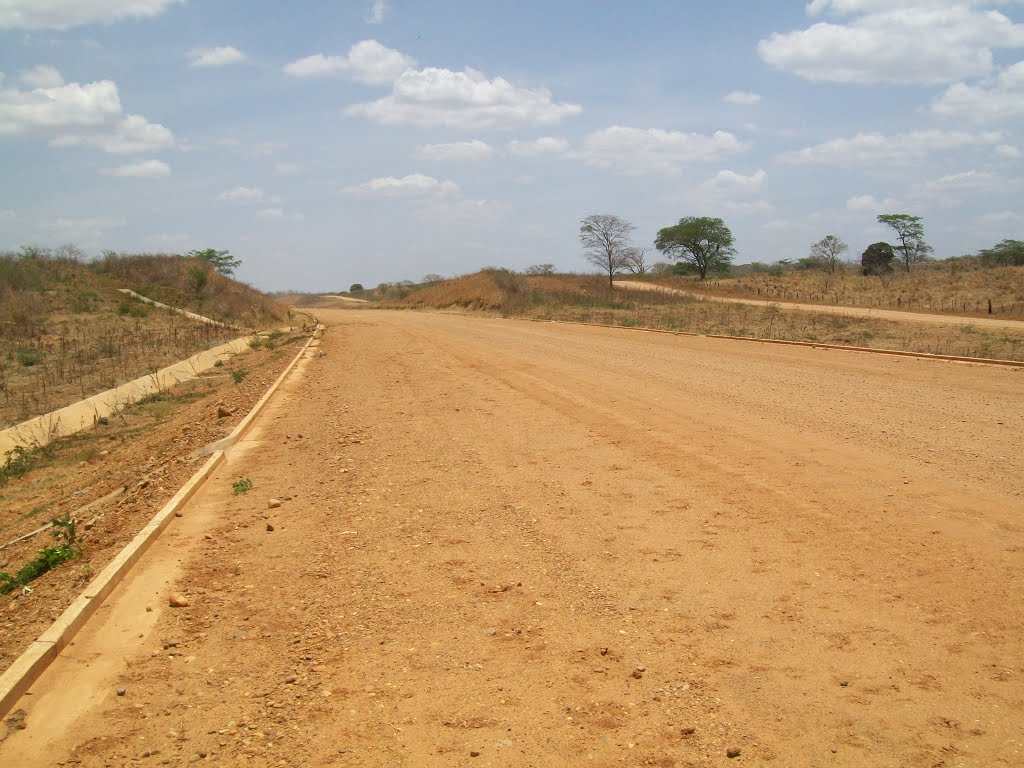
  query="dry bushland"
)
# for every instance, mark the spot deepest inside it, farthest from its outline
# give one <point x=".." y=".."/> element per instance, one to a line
<point x="588" y="299"/>
<point x="66" y="332"/>
<point x="952" y="287"/>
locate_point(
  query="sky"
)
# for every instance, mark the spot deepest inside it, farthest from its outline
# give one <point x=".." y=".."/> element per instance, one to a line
<point x="326" y="143"/>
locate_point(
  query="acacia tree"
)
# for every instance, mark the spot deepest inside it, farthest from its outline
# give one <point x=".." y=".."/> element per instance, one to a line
<point x="829" y="251"/>
<point x="222" y="261"/>
<point x="702" y="241"/>
<point x="910" y="231"/>
<point x="606" y="240"/>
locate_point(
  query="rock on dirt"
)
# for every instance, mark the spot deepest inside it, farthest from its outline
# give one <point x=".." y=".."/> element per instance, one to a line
<point x="177" y="600"/>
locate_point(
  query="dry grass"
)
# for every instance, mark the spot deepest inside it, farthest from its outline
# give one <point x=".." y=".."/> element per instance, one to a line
<point x="66" y="332"/>
<point x="952" y="287"/>
<point x="588" y="299"/>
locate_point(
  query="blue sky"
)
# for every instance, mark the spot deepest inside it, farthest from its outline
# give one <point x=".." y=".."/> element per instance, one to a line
<point x="326" y="143"/>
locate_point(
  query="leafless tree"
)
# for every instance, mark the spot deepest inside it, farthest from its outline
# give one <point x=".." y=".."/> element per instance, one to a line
<point x="541" y="269"/>
<point x="636" y="261"/>
<point x="606" y="240"/>
<point x="829" y="251"/>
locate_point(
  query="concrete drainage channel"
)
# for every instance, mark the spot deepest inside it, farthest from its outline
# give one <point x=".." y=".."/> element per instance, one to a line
<point x="27" y="668"/>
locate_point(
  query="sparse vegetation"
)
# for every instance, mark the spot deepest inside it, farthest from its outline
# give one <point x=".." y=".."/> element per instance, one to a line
<point x="241" y="485"/>
<point x="21" y="460"/>
<point x="238" y="375"/>
<point x="66" y="547"/>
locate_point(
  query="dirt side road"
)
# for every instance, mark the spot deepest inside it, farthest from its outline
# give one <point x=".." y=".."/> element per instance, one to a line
<point x="513" y="543"/>
<point x="877" y="314"/>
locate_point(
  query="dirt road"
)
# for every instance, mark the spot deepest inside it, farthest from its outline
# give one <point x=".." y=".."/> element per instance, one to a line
<point x="877" y="314"/>
<point x="506" y="543"/>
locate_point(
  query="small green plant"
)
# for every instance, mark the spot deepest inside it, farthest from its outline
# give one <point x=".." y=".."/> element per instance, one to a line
<point x="256" y="342"/>
<point x="19" y="461"/>
<point x="132" y="308"/>
<point x="241" y="485"/>
<point x="28" y="356"/>
<point x="238" y="375"/>
<point x="218" y="363"/>
<point x="66" y="547"/>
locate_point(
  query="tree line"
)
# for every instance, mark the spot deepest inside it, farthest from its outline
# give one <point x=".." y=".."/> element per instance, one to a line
<point x="704" y="244"/>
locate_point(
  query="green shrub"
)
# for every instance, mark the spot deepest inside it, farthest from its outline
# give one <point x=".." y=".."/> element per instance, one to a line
<point x="66" y="548"/>
<point x="28" y="356"/>
<point x="241" y="485"/>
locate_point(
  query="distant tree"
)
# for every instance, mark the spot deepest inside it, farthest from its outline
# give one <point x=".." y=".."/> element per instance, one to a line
<point x="910" y="231"/>
<point x="661" y="268"/>
<point x="829" y="252"/>
<point x="606" y="240"/>
<point x="69" y="251"/>
<point x="685" y="268"/>
<point x="197" y="279"/>
<point x="702" y="241"/>
<point x="1006" y="253"/>
<point x="636" y="261"/>
<point x="222" y="261"/>
<point x="355" y="288"/>
<point x="877" y="259"/>
<point x="541" y="269"/>
<point x="433" y="277"/>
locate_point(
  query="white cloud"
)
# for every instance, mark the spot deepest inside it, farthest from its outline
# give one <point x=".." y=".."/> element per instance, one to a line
<point x="1001" y="99"/>
<point x="243" y="195"/>
<point x="287" y="169"/>
<point x="900" y="148"/>
<point x="134" y="134"/>
<point x="84" y="231"/>
<point x="546" y="145"/>
<point x="742" y="97"/>
<point x="637" y="151"/>
<point x="1001" y="217"/>
<point x="214" y="57"/>
<point x="146" y="169"/>
<point x="868" y="204"/>
<point x="62" y="107"/>
<point x="949" y="191"/>
<point x="456" y="150"/>
<point x="77" y="115"/>
<point x="413" y="185"/>
<point x="376" y="12"/>
<point x="465" y="99"/>
<point x="62" y="14"/>
<point x="8" y="215"/>
<point x="733" y="191"/>
<point x="366" y="62"/>
<point x="271" y="213"/>
<point x="42" y="76"/>
<point x="927" y="42"/>
<point x="1009" y="152"/>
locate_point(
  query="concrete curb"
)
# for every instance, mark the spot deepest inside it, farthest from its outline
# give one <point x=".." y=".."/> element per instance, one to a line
<point x="811" y="344"/>
<point x="27" y="668"/>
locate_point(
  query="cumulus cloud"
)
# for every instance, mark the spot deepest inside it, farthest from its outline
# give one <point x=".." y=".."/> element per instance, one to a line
<point x="42" y="76"/>
<point x="366" y="62"/>
<point x="214" y="57"/>
<point x="877" y="148"/>
<point x="413" y="185"/>
<point x="63" y="14"/>
<point x="146" y="169"/>
<point x="84" y="231"/>
<point x="243" y="195"/>
<point x="78" y="115"/>
<point x="925" y="42"/>
<point x="270" y="213"/>
<point x="465" y="99"/>
<point x="546" y="145"/>
<point x="133" y="135"/>
<point x="637" y="151"/>
<point x="456" y="150"/>
<point x="742" y="97"/>
<point x="734" y="191"/>
<point x="61" y="107"/>
<point x="1000" y="99"/>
